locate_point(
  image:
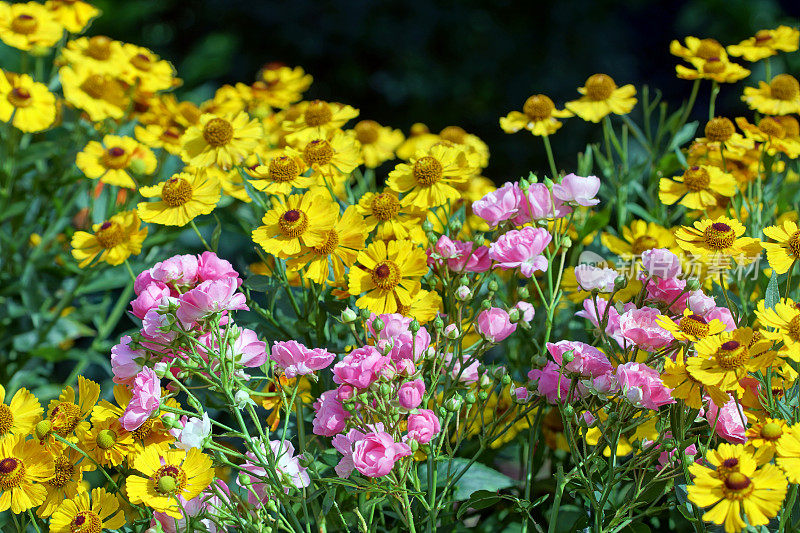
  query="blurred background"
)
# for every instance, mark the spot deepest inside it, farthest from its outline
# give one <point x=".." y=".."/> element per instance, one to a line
<point x="446" y="62"/>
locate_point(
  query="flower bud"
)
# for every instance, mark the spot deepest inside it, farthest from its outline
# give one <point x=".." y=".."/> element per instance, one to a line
<point x="506" y="379"/>
<point x="568" y="410"/>
<point x="463" y="293"/>
<point x="161" y="369"/>
<point x="513" y="315"/>
<point x="692" y="284"/>
<point x="413" y="444"/>
<point x="348" y="316"/>
<point x="454" y="403"/>
<point x="470" y="398"/>
<point x="438" y="323"/>
<point x="568" y="356"/>
<point x="365" y="314"/>
<point x="548" y="182"/>
<point x="272" y="506"/>
<point x="377" y="325"/>
<point x="386" y="390"/>
<point x="620" y="282"/>
<point x="486" y="304"/>
<point x="431" y="236"/>
<point x="451" y="332"/>
<point x="464" y="280"/>
<point x="345" y="392"/>
<point x="523" y="293"/>
<point x="455" y="226"/>
<point x="566" y="242"/>
<point x="493" y="286"/>
<point x="242" y="399"/>
<point x="442" y="412"/>
<point x="414" y="326"/>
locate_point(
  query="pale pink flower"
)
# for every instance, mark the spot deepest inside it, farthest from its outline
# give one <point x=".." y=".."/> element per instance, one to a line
<point x="728" y="422"/>
<point x="499" y="205"/>
<point x="723" y="314"/>
<point x="178" y="270"/>
<point x="521" y="249"/>
<point x="297" y="360"/>
<point x="587" y="360"/>
<point x="211" y="267"/>
<point x="330" y="417"/>
<point x="344" y="445"/>
<point x="494" y="324"/>
<point x="192" y="433"/>
<point x="360" y="368"/>
<point x="639" y="326"/>
<point x="149" y="298"/>
<point x="468" y="374"/>
<point x="213" y="296"/>
<point x="410" y="394"/>
<point x="287" y="465"/>
<point x="661" y="262"/>
<point x="642" y="386"/>
<point x="553" y="384"/>
<point x="526" y="311"/>
<point x="606" y="383"/>
<point x="124" y="364"/>
<point x="145" y="400"/>
<point x="578" y="189"/>
<point x="595" y="278"/>
<point x="376" y="454"/>
<point x="539" y="204"/>
<point x="423" y="425"/>
<point x="699" y="303"/>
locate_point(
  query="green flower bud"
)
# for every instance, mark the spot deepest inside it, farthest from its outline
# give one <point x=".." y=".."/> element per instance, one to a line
<point x="506" y="379"/>
<point x="523" y="293"/>
<point x="548" y="182"/>
<point x="377" y="325"/>
<point x="442" y="412"/>
<point x="438" y="323"/>
<point x="348" y="316"/>
<point x="568" y="410"/>
<point x="413" y="444"/>
<point x="620" y="282"/>
<point x="486" y="304"/>
<point x="454" y="404"/>
<point x="479" y="239"/>
<point x="455" y="225"/>
<point x="566" y="242"/>
<point x="464" y="280"/>
<point x="470" y="398"/>
<point x="513" y="315"/>
<point x="414" y="326"/>
<point x="385" y="390"/>
<point x="365" y="314"/>
<point x="692" y="284"/>
<point x="568" y="356"/>
<point x="493" y="286"/>
<point x="483" y="395"/>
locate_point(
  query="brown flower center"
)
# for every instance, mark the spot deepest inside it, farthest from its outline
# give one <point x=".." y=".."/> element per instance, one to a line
<point x="599" y="87"/>
<point x="330" y="244"/>
<point x="169" y="479"/>
<point x="385" y="206"/>
<point x="176" y="192"/>
<point x="730" y="463"/>
<point x="427" y="170"/>
<point x="367" y="131"/>
<point x="64" y="471"/>
<point x="696" y="179"/>
<point x="145" y="430"/>
<point x="694" y="325"/>
<point x="790" y="125"/>
<point x="736" y="482"/>
<point x="94" y="85"/>
<point x="794" y="243"/>
<point x="218" y="132"/>
<point x="99" y="48"/>
<point x="318" y="113"/>
<point x="708" y="48"/>
<point x="116" y="157"/>
<point x="110" y="235"/>
<point x="24" y="24"/>
<point x="643" y="243"/>
<point x="763" y="37"/>
<point x="784" y="87"/>
<point x="12" y="473"/>
<point x="719" y="236"/>
<point x="386" y="275"/>
<point x="293" y="223"/>
<point x="771" y="127"/>
<point x="142" y="62"/>
<point x="282" y="169"/>
<point x="318" y="152"/>
<point x="19" y="97"/>
<point x="6" y="419"/>
<point x="793" y="329"/>
<point x="714" y="65"/>
<point x="454" y="134"/>
<point x="538" y="107"/>
<point x="64" y="418"/>
<point x="732" y="355"/>
<point x="771" y="431"/>
<point x="86" y="522"/>
<point x="719" y="129"/>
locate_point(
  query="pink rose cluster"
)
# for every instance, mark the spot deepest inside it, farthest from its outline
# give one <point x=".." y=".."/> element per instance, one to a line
<point x="388" y="366"/>
<point x="459" y="256"/>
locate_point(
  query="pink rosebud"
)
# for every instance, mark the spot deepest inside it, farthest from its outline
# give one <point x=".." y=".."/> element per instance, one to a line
<point x="149" y="298"/>
<point x="639" y="326"/>
<point x="178" y="269"/>
<point x="526" y="311"/>
<point x="499" y="205"/>
<point x="553" y="384"/>
<point x="661" y="262"/>
<point x="213" y="296"/>
<point x="539" y="204"/>
<point x="376" y="454"/>
<point x="469" y="374"/>
<point x="211" y="267"/>
<point x="642" y="386"/>
<point x="360" y="368"/>
<point x="423" y="425"/>
<point x="297" y="360"/>
<point x="728" y="421"/>
<point x="521" y="394"/>
<point x="410" y="394"/>
<point x="143" y="280"/>
<point x="495" y="325"/>
<point x="521" y="249"/>
<point x="587" y="360"/>
<point x="394" y="325"/>
<point x="699" y="303"/>
<point x="594" y="278"/>
<point x="123" y="362"/>
<point x="145" y="400"/>
<point x="330" y="417"/>
<point x="578" y="189"/>
<point x="345" y="393"/>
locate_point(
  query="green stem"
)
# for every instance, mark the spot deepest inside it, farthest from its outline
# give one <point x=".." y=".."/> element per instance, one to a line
<point x="194" y="227"/>
<point x="787" y="509"/>
<point x="712" y="104"/>
<point x="550" y="159"/>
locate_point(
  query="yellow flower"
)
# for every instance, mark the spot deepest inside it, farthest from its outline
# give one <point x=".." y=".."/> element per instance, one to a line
<point x="477" y="150"/>
<point x="779" y="133"/>
<point x="340" y="248"/>
<point x="296" y="222"/>
<point x="691" y="327"/>
<point x="686" y="388"/>
<point x="67" y="481"/>
<point x="145" y="70"/>
<point x="74" y="15"/>
<point x="424" y="307"/>
<point x="181" y="198"/>
<point x="27" y="104"/>
<point x="717" y="240"/>
<point x="539" y="116"/>
<point x="389" y="274"/>
<point x="419" y="138"/>
<point x="280" y="174"/>
<point x="84" y="515"/>
<point x="114" y="240"/>
<point x="111" y="161"/>
<point x="694" y="189"/>
<point x="429" y="178"/>
<point x="601" y="97"/>
<point x="224" y="141"/>
<point x="20" y="414"/>
<point x="108" y="442"/>
<point x="24" y="466"/>
<point x="378" y="143"/>
<point x="639" y="237"/>
<point x="786" y="251"/>
<point x="280" y="86"/>
<point x="28" y="25"/>
<point x="725" y="358"/>
<point x="317" y="120"/>
<point x="785" y="319"/>
<point x="99" y="95"/>
<point x="744" y="488"/>
<point x="780" y="97"/>
<point x="698" y="50"/>
<point x="158" y="136"/>
<point x="766" y="43"/>
<point x="764" y="436"/>
<point x="788" y="451"/>
<point x="66" y="416"/>
<point x="165" y="476"/>
<point x="98" y="54"/>
<point x="719" y="70"/>
<point x="230" y="181"/>
<point x="333" y="156"/>
<point x="389" y="218"/>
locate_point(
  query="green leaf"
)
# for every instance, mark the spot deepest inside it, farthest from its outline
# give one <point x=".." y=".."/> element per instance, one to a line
<point x="480" y="499"/>
<point x="772" y="295"/>
<point x="477" y="477"/>
<point x="684" y="135"/>
<point x="216" y="235"/>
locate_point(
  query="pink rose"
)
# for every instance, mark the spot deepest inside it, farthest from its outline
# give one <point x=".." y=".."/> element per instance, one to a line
<point x="642" y="386"/>
<point x="468" y="374"/>
<point x="360" y="368"/>
<point x="578" y="189"/>
<point x="479" y="261"/>
<point x="521" y="249"/>
<point x="376" y="454"/>
<point x="553" y="384"/>
<point x="149" y="298"/>
<point x="699" y="303"/>
<point x="639" y="327"/>
<point x="526" y="311"/>
<point x="178" y="269"/>
<point x="499" y="205"/>
<point x="423" y="425"/>
<point x="668" y="290"/>
<point x="297" y="360"/>
<point x="213" y="296"/>
<point x="211" y="267"/>
<point x="410" y="394"/>
<point x="727" y="422"/>
<point x="143" y="280"/>
<point x="344" y="445"/>
<point x="495" y="325"/>
<point x="723" y="314"/>
<point x="123" y="362"/>
<point x="661" y="262"/>
<point x="593" y="278"/>
<point x="248" y="351"/>
<point x="330" y="417"/>
<point x="145" y="400"/>
<point x="539" y="204"/>
<point x="587" y="360"/>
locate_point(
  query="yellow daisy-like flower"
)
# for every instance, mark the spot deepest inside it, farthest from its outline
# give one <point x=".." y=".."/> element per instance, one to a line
<point x="224" y="141"/>
<point x="639" y="237"/>
<point x="780" y="134"/>
<point x="725" y="358"/>
<point x="429" y="178"/>
<point x="477" y="150"/>
<point x="230" y="181"/>
<point x="27" y="104"/>
<point x="158" y="136"/>
<point x="785" y="319"/>
<point x="99" y="95"/>
<point x="601" y="97"/>
<point x="112" y="161"/>
<point x="766" y="43"/>
<point x="698" y="50"/>
<point x="378" y="143"/>
<point x="108" y="442"/>
<point x="780" y="97"/>
<point x="696" y="187"/>
<point x="296" y="222"/>
<point x="98" y="54"/>
<point x="389" y="218"/>
<point x="280" y="86"/>
<point x="83" y="514"/>
<point x="389" y="274"/>
<point x="67" y="481"/>
<point x="146" y="70"/>
<point x="764" y="436"/>
<point x="74" y="15"/>
<point x="280" y="174"/>
<point x="114" y="240"/>
<point x="424" y="306"/>
<point x="539" y="116"/>
<point x="787" y="450"/>
<point x="66" y="416"/>
<point x="717" y="69"/>
<point x="786" y="251"/>
<point x="332" y="157"/>
<point x="691" y="327"/>
<point x="20" y="415"/>
<point x="338" y="252"/>
<point x="318" y="119"/>
<point x="686" y="388"/>
<point x="181" y="198"/>
<point x="28" y="25"/>
<point x="756" y="492"/>
<point x="24" y="467"/>
<point x="167" y="475"/>
<point x="719" y="239"/>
